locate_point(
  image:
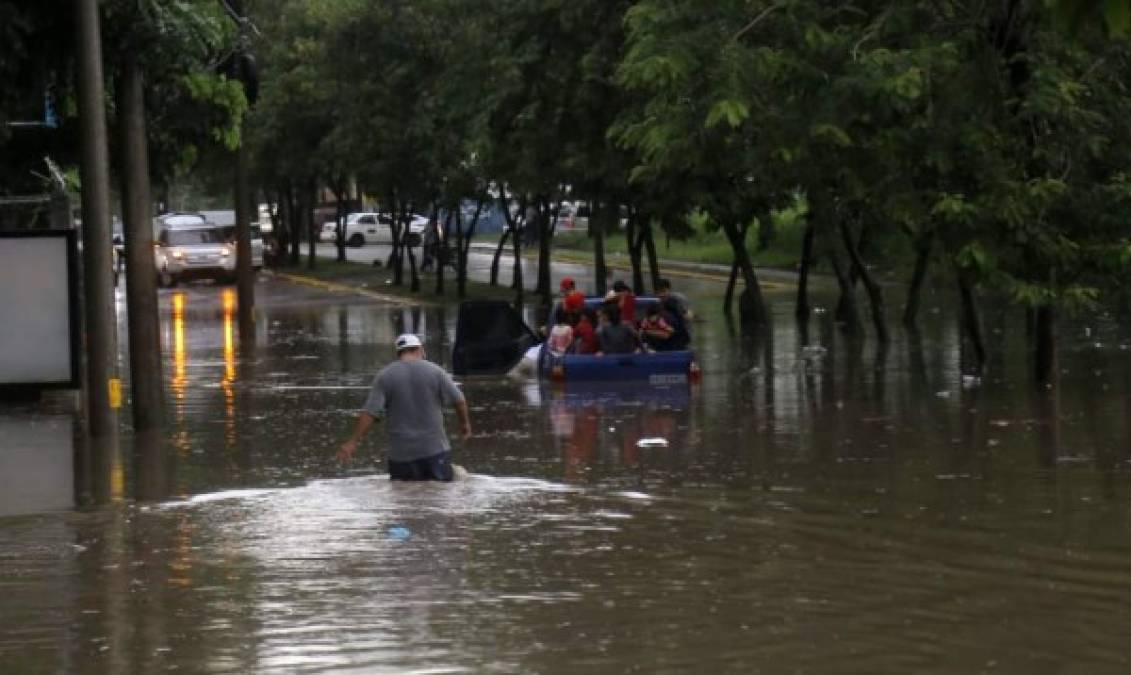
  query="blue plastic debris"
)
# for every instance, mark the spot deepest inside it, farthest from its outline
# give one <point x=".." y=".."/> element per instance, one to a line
<point x="399" y="532"/>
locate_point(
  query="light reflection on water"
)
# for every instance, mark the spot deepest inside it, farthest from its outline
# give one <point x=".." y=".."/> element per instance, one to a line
<point x="818" y="505"/>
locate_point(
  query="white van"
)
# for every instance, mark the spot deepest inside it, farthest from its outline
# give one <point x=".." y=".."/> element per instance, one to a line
<point x="190" y="247"/>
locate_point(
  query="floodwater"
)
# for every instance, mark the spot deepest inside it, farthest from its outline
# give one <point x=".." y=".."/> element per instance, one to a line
<point x="811" y="506"/>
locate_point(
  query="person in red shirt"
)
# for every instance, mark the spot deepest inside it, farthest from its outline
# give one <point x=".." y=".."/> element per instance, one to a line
<point x="626" y="302"/>
<point x="584" y="332"/>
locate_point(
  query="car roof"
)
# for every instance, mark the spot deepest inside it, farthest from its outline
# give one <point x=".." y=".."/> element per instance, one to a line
<point x="180" y="219"/>
<point x="189" y="226"/>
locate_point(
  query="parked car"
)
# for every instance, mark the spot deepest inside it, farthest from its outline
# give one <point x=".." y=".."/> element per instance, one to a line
<point x="192" y="250"/>
<point x="329" y="231"/>
<point x="376" y="228"/>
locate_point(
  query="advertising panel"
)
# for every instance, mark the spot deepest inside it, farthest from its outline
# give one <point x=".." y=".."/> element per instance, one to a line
<point x="39" y="313"/>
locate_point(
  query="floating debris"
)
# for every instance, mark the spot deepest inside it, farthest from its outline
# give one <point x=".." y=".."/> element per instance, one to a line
<point x="399" y="532"/>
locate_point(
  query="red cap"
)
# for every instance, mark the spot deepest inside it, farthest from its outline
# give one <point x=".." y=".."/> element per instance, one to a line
<point x="574" y="302"/>
<point x="567" y="284"/>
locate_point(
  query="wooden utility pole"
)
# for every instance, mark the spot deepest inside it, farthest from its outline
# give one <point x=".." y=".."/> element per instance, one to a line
<point x="141" y="277"/>
<point x="103" y="388"/>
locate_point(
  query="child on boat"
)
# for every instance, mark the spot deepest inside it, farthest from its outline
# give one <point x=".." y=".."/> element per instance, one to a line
<point x="655" y="330"/>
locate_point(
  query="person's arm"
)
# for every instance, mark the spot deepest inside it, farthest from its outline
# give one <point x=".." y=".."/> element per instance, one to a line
<point x="464" y="419"/>
<point x="451" y="395"/>
<point x="659" y="331"/>
<point x="364" y="421"/>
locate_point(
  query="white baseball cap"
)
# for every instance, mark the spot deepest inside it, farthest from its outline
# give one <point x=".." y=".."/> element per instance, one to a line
<point x="408" y="341"/>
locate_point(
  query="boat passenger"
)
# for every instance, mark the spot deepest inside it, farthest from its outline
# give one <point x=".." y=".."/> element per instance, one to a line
<point x="626" y="302"/>
<point x="561" y="335"/>
<point x="585" y="333"/>
<point x="665" y="293"/>
<point x="681" y="337"/>
<point x="567" y="286"/>
<point x="613" y="335"/>
<point x="655" y="331"/>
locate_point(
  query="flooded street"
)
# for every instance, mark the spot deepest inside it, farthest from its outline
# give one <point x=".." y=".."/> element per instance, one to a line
<point x="811" y="506"/>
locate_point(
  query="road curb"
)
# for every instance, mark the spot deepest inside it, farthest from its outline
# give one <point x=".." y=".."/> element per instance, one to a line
<point x="678" y="269"/>
<point x="335" y="287"/>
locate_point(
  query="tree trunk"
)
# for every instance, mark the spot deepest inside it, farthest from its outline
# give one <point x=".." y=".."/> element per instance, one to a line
<point x="298" y="207"/>
<point x="465" y="247"/>
<point x="245" y="270"/>
<point x="971" y="321"/>
<point x="1045" y="356"/>
<point x="516" y="278"/>
<point x="283" y="228"/>
<point x="853" y="274"/>
<point x="504" y="203"/>
<point x="308" y="230"/>
<point x="650" y="247"/>
<point x="597" y="232"/>
<point x="728" y="296"/>
<point x="918" y="276"/>
<point x="441" y="255"/>
<point x="461" y="259"/>
<point x="414" y="277"/>
<point x="396" y="254"/>
<point x="751" y="305"/>
<point x="545" y="238"/>
<point x="498" y="255"/>
<point x="141" y="278"/>
<point x="874" y="290"/>
<point x="802" y="309"/>
<point x="635" y="245"/>
<point x="340" y="220"/>
<point x="848" y="316"/>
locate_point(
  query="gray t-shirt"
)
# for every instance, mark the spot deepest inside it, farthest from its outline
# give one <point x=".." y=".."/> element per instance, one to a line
<point x="616" y="338"/>
<point x="411" y="395"/>
<point x="679" y="300"/>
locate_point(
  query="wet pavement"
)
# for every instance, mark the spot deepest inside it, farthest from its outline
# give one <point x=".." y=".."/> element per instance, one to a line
<point x="812" y="506"/>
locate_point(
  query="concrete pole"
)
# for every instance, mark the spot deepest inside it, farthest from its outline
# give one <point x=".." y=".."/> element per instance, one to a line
<point x="102" y="385"/>
<point x="141" y="276"/>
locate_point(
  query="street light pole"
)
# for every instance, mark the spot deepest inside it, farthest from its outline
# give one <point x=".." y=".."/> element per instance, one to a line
<point x="103" y="385"/>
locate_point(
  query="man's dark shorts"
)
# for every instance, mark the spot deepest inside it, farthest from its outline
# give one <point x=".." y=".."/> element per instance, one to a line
<point x="436" y="467"/>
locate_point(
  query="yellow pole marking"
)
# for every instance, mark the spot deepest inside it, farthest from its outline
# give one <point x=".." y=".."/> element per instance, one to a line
<point x="115" y="385"/>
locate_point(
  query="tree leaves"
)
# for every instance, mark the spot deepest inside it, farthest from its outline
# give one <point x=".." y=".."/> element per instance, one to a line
<point x="733" y="112"/>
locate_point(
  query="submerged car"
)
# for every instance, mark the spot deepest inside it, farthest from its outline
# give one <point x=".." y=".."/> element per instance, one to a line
<point x="197" y="250"/>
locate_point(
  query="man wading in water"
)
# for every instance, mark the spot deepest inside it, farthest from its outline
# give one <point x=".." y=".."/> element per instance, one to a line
<point x="411" y="394"/>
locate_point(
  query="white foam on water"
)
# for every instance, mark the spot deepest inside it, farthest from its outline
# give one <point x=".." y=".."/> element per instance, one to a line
<point x="317" y="387"/>
<point x="224" y="495"/>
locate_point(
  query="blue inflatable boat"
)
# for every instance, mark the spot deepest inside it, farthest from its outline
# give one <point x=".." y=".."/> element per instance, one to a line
<point x="659" y="368"/>
<point x="491" y="338"/>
